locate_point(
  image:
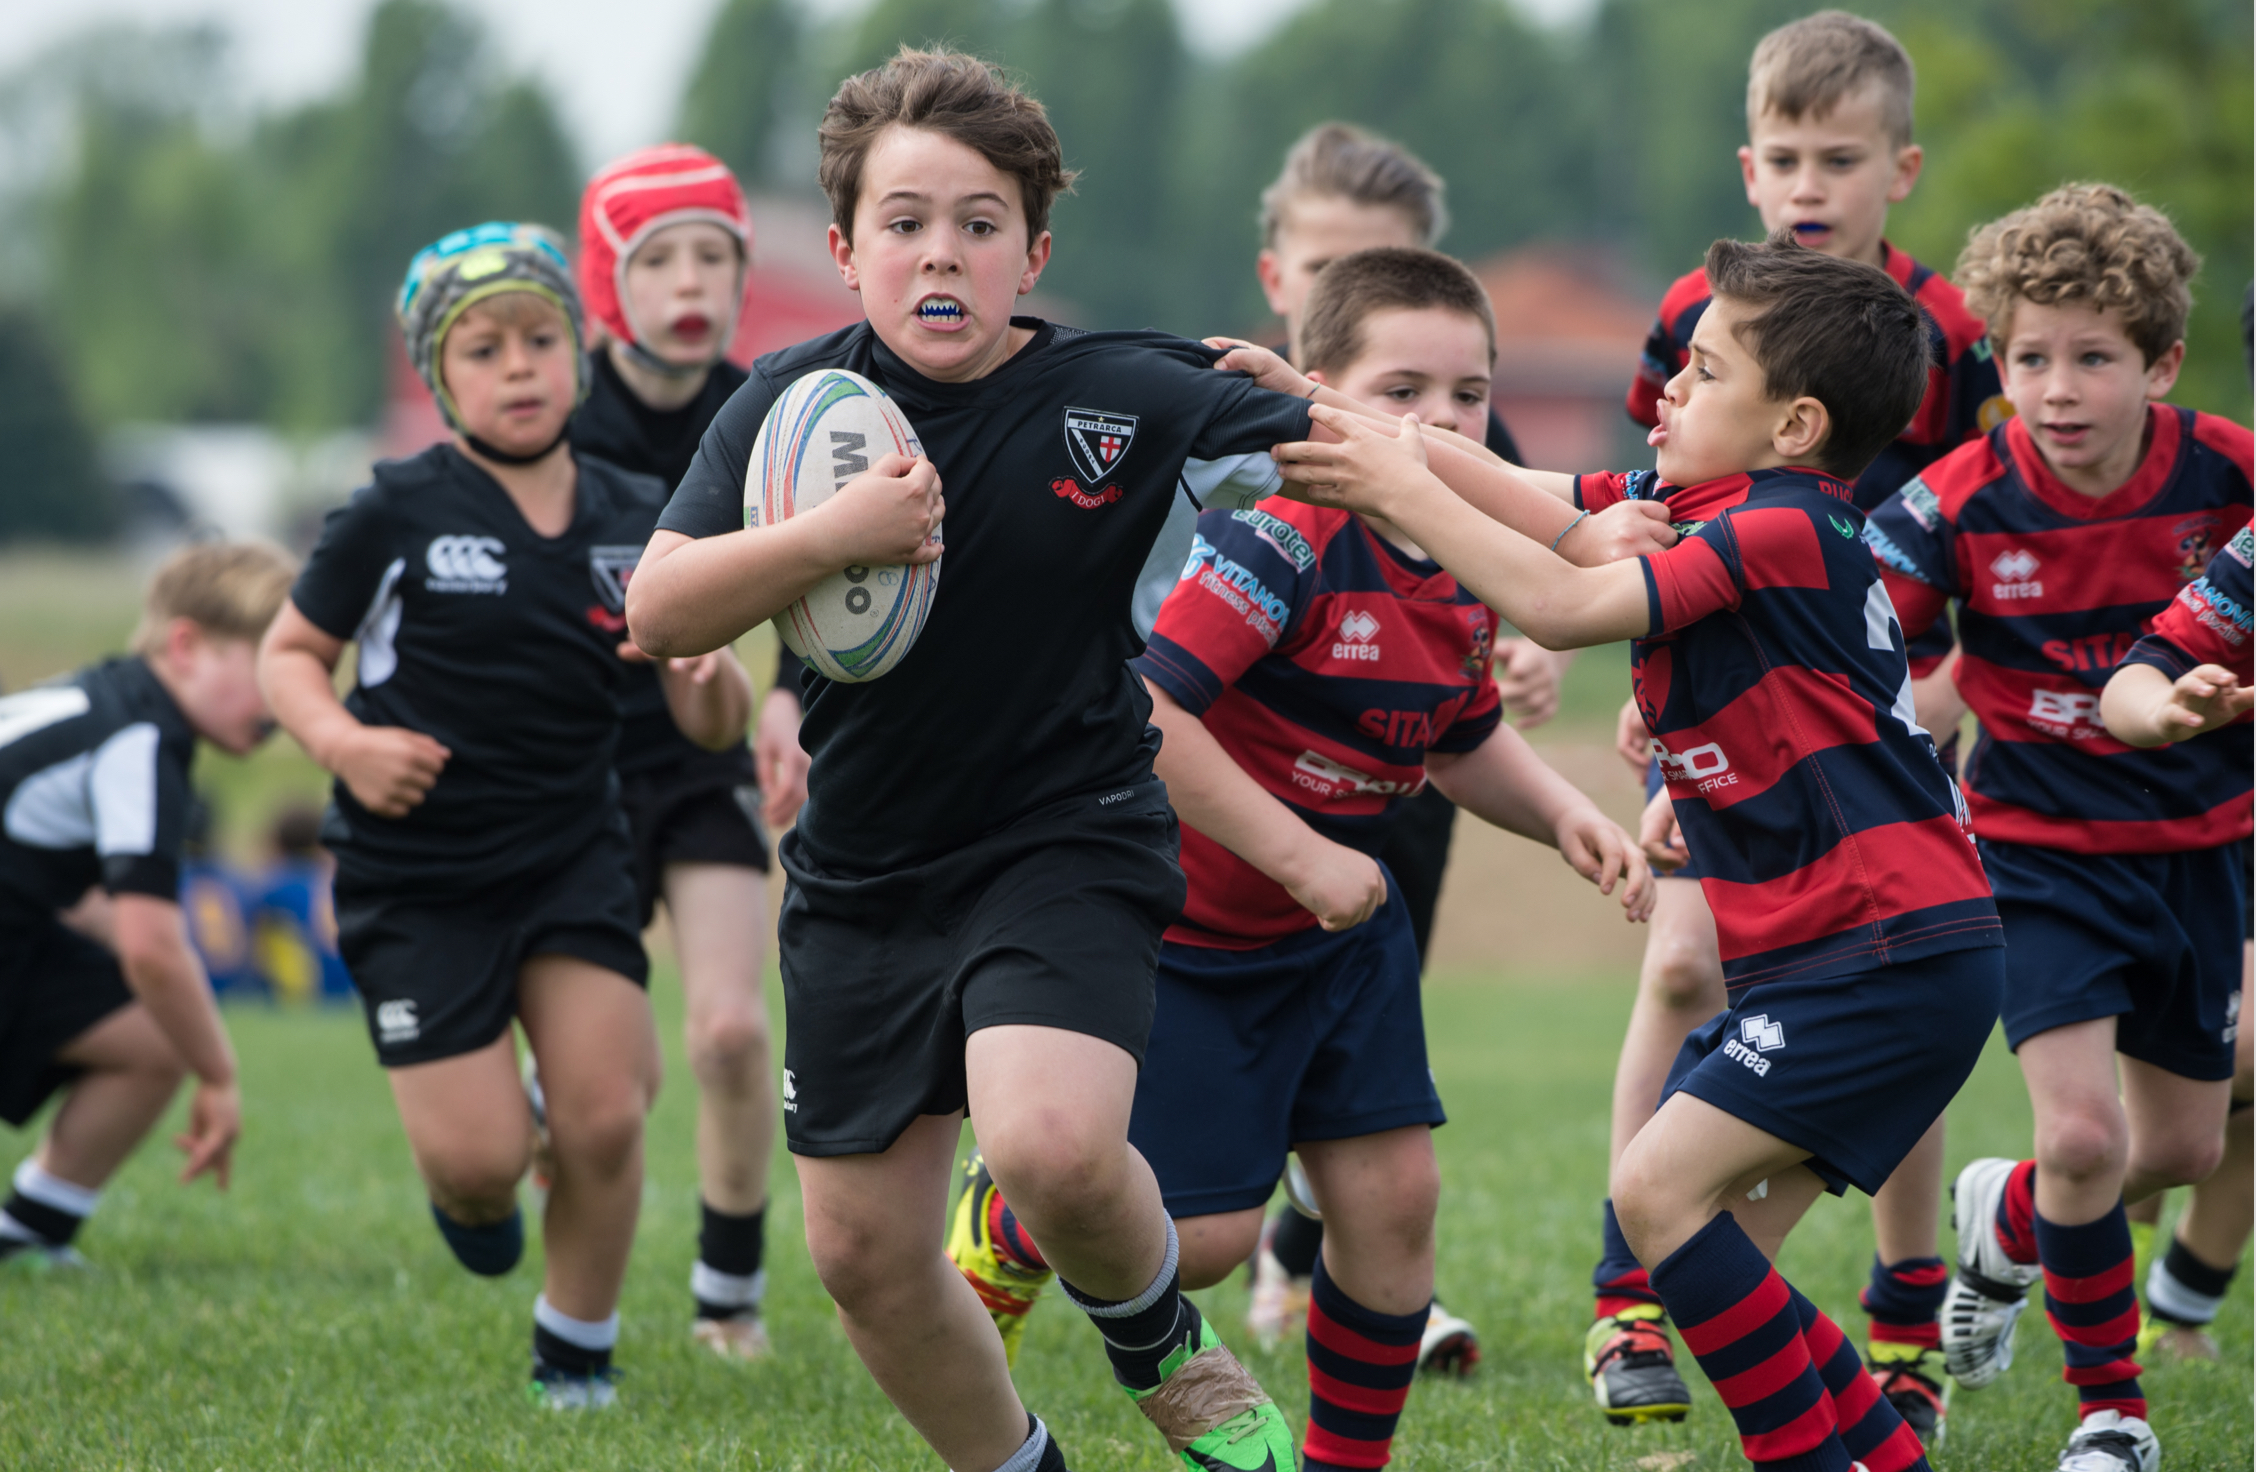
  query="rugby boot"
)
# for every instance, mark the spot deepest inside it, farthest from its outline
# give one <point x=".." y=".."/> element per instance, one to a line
<point x="1632" y="1368"/>
<point x="2110" y="1441"/>
<point x="1449" y="1346"/>
<point x="2159" y="1339"/>
<point x="1008" y="1288"/>
<point x="1214" y="1414"/>
<point x="562" y="1390"/>
<point x="741" y="1336"/>
<point x="1911" y="1379"/>
<point x="1989" y="1290"/>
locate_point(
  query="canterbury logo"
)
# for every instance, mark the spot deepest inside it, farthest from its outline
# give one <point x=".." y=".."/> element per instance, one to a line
<point x="396" y="1021"/>
<point x="465" y="565"/>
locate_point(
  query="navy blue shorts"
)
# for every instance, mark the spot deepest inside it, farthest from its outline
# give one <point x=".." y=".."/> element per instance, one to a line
<point x="1653" y="785"/>
<point x="2152" y="940"/>
<point x="1316" y="1037"/>
<point x="1852" y="1069"/>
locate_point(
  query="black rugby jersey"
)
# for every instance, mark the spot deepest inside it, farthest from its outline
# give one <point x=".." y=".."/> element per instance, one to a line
<point x="93" y="788"/>
<point x="496" y="641"/>
<point x="614" y="425"/>
<point x="1074" y="475"/>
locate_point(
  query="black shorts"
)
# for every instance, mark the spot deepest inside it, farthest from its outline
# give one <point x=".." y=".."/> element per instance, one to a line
<point x="54" y="985"/>
<point x="1416" y="854"/>
<point x="692" y="813"/>
<point x="437" y="975"/>
<point x="1055" y="921"/>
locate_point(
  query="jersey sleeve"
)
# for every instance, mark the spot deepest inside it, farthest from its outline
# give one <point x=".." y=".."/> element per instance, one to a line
<point x="1238" y="594"/>
<point x="2208" y="622"/>
<point x="1690" y="580"/>
<point x="1917" y="549"/>
<point x="1600" y="489"/>
<point x="1229" y="466"/>
<point x="139" y="791"/>
<point x="348" y="566"/>
<point x="710" y="498"/>
<point x="1476" y="720"/>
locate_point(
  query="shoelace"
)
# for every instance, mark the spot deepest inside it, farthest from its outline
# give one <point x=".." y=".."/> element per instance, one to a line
<point x="1889" y="1385"/>
<point x="1637" y="1346"/>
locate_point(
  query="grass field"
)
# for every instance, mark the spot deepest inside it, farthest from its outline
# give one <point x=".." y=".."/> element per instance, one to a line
<point x="312" y="1319"/>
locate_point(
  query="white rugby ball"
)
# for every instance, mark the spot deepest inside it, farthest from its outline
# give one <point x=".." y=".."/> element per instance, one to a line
<point x="829" y="427"/>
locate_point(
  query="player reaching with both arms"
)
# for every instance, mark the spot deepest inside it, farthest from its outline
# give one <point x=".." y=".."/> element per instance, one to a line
<point x="1858" y="937"/>
<point x="94" y="781"/>
<point x="2120" y="867"/>
<point x="484" y="871"/>
<point x="1312" y="670"/>
<point x="975" y="923"/>
<point x="1829" y="149"/>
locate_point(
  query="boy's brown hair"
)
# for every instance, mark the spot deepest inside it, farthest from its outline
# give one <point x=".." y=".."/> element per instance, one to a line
<point x="1809" y="67"/>
<point x="1384" y="278"/>
<point x="2089" y="243"/>
<point x="230" y="590"/>
<point x="957" y="96"/>
<point x="1841" y="332"/>
<point x="1340" y="161"/>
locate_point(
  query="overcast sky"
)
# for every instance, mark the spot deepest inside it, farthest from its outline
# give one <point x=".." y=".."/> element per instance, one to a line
<point x="615" y="67"/>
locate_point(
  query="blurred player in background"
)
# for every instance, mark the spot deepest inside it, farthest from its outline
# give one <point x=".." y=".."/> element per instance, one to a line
<point x="94" y="780"/>
<point x="294" y="918"/>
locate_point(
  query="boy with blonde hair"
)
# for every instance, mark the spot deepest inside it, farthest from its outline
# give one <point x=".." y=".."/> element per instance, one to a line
<point x="94" y="780"/>
<point x="2120" y="869"/>
<point x="1829" y="149"/>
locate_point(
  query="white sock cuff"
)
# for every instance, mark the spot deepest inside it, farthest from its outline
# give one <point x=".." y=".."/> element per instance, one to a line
<point x="586" y="1334"/>
<point x="2170" y="1296"/>
<point x="1029" y="1454"/>
<point x="727" y="1290"/>
<point x="37" y="1185"/>
<point x="1143" y="1300"/>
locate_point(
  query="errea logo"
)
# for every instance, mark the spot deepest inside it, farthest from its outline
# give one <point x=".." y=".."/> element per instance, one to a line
<point x="2014" y="570"/>
<point x="465" y="565"/>
<point x="1758" y="1035"/>
<point x="396" y="1021"/>
<point x="1356" y="630"/>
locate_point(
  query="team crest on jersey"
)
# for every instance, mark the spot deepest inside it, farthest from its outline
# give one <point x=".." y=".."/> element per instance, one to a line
<point x="1483" y="653"/>
<point x="1995" y="409"/>
<point x="611" y="567"/>
<point x="1098" y="441"/>
<point x="2196" y="544"/>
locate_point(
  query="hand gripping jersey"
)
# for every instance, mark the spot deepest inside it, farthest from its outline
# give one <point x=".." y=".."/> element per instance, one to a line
<point x="1829" y="838"/>
<point x="2208" y="622"/>
<point x="2054" y="588"/>
<point x="1328" y="664"/>
<point x="93" y="789"/>
<point x="1964" y="397"/>
<point x="1074" y="475"/>
<point x="496" y="641"/>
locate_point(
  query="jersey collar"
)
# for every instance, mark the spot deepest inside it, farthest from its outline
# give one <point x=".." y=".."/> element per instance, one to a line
<point x="2145" y="484"/>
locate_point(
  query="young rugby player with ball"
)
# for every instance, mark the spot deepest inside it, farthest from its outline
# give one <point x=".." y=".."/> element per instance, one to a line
<point x="1311" y="671"/>
<point x="484" y="872"/>
<point x="1859" y="940"/>
<point x="665" y="245"/>
<point x="974" y="922"/>
<point x="94" y="782"/>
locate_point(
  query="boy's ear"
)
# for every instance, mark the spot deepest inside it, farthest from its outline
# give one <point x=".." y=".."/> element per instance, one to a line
<point x="1037" y="257"/>
<point x="1316" y="375"/>
<point x="2162" y="373"/>
<point x="1747" y="171"/>
<point x="1271" y="272"/>
<point x="1801" y="430"/>
<point x="842" y="256"/>
<point x="1909" y="160"/>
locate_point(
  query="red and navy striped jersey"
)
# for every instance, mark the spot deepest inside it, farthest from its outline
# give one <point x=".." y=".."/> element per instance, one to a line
<point x="1327" y="663"/>
<point x="1829" y="838"/>
<point x="2053" y="589"/>
<point x="2208" y="622"/>
<point x="1964" y="397"/>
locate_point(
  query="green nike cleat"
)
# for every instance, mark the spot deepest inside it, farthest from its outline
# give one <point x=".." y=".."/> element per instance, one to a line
<point x="1214" y="1414"/>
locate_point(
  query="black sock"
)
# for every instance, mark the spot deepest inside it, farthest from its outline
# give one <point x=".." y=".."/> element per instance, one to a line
<point x="727" y="1281"/>
<point x="1295" y="1241"/>
<point x="1141" y="1332"/>
<point x="490" y="1250"/>
<point x="559" y="1353"/>
<point x="50" y="1226"/>
<point x="2183" y="1290"/>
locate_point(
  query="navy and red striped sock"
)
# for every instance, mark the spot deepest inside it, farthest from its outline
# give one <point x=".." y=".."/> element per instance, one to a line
<point x="1010" y="1237"/>
<point x="2017" y="1213"/>
<point x="1868" y="1426"/>
<point x="1903" y="1301"/>
<point x="1619" y="1278"/>
<point x="1360" y="1365"/>
<point x="2090" y="1299"/>
<point x="1738" y="1318"/>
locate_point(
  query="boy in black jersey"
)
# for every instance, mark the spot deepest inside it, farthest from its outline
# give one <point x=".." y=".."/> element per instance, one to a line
<point x="94" y="781"/>
<point x="665" y="240"/>
<point x="974" y="922"/>
<point x="483" y="869"/>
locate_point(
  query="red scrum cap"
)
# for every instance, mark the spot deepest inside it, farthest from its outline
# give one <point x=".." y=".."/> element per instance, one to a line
<point x="630" y="200"/>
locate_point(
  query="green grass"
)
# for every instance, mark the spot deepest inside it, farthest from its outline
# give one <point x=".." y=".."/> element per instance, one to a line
<point x="311" y="1318"/>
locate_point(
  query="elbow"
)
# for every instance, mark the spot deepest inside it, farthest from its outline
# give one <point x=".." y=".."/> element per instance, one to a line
<point x="650" y="628"/>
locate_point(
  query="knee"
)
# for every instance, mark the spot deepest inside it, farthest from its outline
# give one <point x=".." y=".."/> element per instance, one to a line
<point x="1683" y="977"/>
<point x="727" y="1042"/>
<point x="1059" y="1176"/>
<point x="476" y="1184"/>
<point x="1213" y="1247"/>
<point x="598" y="1129"/>
<point x="2183" y="1161"/>
<point x="1645" y="1204"/>
<point x="859" y="1264"/>
<point x="2082" y="1145"/>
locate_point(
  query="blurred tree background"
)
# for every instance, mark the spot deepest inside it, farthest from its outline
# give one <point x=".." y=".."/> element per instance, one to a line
<point x="165" y="255"/>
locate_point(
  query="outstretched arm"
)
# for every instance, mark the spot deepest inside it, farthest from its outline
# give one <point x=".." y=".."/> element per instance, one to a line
<point x="1552" y="601"/>
<point x="1504" y="782"/>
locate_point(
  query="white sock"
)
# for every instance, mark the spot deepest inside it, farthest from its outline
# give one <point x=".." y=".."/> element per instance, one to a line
<point x="1029" y="1454"/>
<point x="596" y="1334"/>
<point x="727" y="1290"/>
<point x="48" y="1190"/>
